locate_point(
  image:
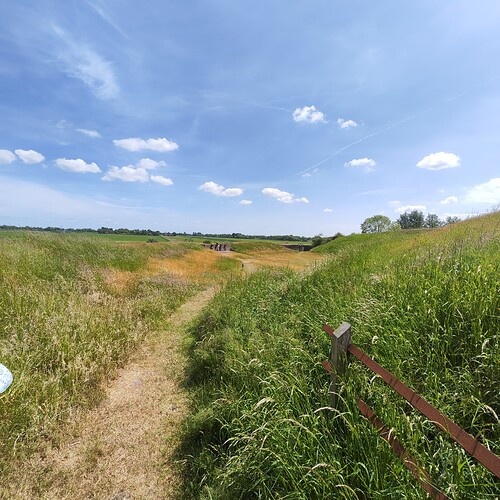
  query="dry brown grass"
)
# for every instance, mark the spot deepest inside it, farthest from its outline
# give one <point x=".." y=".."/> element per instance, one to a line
<point x="197" y="265"/>
<point x="279" y="258"/>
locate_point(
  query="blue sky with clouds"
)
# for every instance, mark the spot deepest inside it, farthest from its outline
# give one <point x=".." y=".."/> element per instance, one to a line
<point x="269" y="117"/>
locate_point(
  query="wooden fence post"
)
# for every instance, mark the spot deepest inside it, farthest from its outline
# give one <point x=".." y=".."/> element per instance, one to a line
<point x="341" y="338"/>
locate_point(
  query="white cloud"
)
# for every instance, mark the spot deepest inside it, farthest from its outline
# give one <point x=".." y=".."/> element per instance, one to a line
<point x="283" y="196"/>
<point x="159" y="179"/>
<point x="246" y="202"/>
<point x="126" y="174"/>
<point x="308" y="114"/>
<point x="450" y="199"/>
<point x="488" y="192"/>
<point x="161" y="145"/>
<point x="79" y="166"/>
<point x="367" y="164"/>
<point x="91" y="133"/>
<point x="409" y="208"/>
<point x="327" y="210"/>
<point x="346" y="123"/>
<point x="6" y="156"/>
<point x="29" y="156"/>
<point x="149" y="164"/>
<point x="218" y="190"/>
<point x="439" y="161"/>
<point x="307" y="174"/>
<point x="84" y="64"/>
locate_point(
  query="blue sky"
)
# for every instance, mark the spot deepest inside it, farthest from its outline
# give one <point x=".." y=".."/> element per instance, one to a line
<point x="262" y="117"/>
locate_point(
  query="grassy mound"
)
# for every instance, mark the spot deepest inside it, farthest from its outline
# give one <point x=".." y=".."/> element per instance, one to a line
<point x="71" y="309"/>
<point x="424" y="304"/>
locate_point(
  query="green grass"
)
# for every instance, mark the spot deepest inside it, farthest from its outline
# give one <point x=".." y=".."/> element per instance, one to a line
<point x="64" y="325"/>
<point x="424" y="304"/>
<point x="234" y="241"/>
<point x="128" y="237"/>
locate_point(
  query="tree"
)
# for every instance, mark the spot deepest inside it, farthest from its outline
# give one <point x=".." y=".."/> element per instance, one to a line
<point x="412" y="220"/>
<point x="451" y="219"/>
<point x="317" y="240"/>
<point x="376" y="224"/>
<point x="432" y="220"/>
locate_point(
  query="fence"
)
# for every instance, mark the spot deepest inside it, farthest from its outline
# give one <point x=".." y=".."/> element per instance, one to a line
<point x="337" y="367"/>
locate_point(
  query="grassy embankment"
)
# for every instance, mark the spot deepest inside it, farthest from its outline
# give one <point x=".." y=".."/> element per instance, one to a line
<point x="71" y="310"/>
<point x="424" y="304"/>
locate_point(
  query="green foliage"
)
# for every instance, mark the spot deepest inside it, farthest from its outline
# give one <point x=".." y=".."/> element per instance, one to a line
<point x="432" y="221"/>
<point x="376" y="224"/>
<point x="322" y="240"/>
<point x="423" y="304"/>
<point x="411" y="220"/>
<point x="64" y="326"/>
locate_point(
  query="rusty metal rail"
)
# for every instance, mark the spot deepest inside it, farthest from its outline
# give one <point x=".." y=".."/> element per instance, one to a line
<point x="408" y="461"/>
<point x="469" y="443"/>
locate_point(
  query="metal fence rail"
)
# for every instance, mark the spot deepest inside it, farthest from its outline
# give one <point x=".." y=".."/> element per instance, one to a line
<point x="341" y="345"/>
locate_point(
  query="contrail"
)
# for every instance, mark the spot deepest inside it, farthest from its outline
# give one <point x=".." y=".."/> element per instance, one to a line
<point x="397" y="124"/>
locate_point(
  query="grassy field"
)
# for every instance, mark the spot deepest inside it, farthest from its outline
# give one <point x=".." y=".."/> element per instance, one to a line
<point x="425" y="304"/>
<point x="131" y="238"/>
<point x="72" y="308"/>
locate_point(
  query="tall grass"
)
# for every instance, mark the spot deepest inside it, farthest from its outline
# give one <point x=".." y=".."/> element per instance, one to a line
<point x="64" y="326"/>
<point x="424" y="304"/>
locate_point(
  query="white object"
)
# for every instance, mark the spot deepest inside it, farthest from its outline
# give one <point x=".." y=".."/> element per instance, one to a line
<point x="5" y="378"/>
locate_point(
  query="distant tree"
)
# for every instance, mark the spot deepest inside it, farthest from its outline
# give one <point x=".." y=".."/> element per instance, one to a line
<point x="451" y="219"/>
<point x="376" y="224"/>
<point x="411" y="220"/>
<point x="432" y="220"/>
<point x="317" y="240"/>
<point x="395" y="226"/>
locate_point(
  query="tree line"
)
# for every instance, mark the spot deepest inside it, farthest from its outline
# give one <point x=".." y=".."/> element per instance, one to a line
<point x="150" y="232"/>
<point x="408" y="220"/>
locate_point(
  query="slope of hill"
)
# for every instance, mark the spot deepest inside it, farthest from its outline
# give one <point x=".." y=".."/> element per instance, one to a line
<point x="424" y="304"/>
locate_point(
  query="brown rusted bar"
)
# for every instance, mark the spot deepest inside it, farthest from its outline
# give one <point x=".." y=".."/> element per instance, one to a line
<point x="327" y="365"/>
<point x="409" y="462"/>
<point x="469" y="443"/>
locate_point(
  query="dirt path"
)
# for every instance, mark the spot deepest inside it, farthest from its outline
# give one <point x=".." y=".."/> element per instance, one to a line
<point x="123" y="448"/>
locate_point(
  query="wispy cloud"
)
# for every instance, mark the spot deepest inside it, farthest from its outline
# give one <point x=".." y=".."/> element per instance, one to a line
<point x="149" y="164"/>
<point x="161" y="145"/>
<point x="78" y="166"/>
<point x="129" y="173"/>
<point x="283" y="196"/>
<point x="246" y="202"/>
<point x="367" y="164"/>
<point x="450" y="199"/>
<point x="327" y="210"/>
<point x="218" y="190"/>
<point x="346" y="123"/>
<point x="308" y="114"/>
<point x="439" y="161"/>
<point x="159" y="179"/>
<point x="409" y="208"/>
<point x="487" y="192"/>
<point x="29" y="156"/>
<point x="86" y="65"/>
<point x="90" y="133"/>
<point x="7" y="157"/>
